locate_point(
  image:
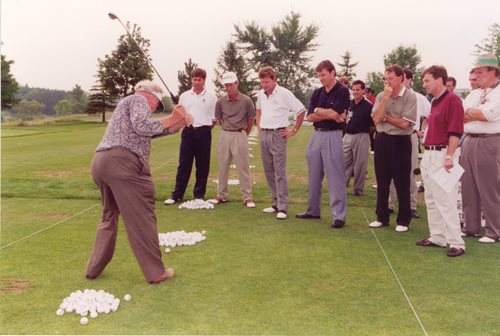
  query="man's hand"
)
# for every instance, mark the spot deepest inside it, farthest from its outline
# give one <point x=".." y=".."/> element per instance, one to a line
<point x="285" y="133"/>
<point x="387" y="91"/>
<point x="448" y="163"/>
<point x="178" y="113"/>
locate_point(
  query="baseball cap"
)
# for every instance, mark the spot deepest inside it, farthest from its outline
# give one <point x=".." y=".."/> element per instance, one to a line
<point x="229" y="77"/>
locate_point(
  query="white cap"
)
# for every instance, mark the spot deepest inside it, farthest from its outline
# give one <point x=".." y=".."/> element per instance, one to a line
<point x="151" y="87"/>
<point x="229" y="77"/>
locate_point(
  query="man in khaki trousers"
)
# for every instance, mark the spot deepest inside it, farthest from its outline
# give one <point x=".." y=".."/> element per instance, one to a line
<point x="235" y="113"/>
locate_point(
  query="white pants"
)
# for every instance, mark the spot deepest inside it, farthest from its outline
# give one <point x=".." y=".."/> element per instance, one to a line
<point x="442" y="213"/>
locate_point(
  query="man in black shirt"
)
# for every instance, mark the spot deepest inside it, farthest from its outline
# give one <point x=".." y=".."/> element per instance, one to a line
<point x="357" y="138"/>
<point x="325" y="151"/>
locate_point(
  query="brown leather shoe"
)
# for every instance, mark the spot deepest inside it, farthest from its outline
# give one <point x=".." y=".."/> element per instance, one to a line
<point x="168" y="274"/>
<point x="90" y="277"/>
<point x="455" y="252"/>
<point x="427" y="243"/>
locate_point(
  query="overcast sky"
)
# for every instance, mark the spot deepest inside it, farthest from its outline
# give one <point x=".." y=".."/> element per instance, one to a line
<point x="56" y="43"/>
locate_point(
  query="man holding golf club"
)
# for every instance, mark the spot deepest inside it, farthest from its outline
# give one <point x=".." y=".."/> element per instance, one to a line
<point x="121" y="172"/>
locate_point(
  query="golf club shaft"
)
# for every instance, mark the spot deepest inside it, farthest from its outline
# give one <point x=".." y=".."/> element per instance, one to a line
<point x="172" y="96"/>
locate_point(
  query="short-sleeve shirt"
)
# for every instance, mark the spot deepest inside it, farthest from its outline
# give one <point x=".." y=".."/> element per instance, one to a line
<point x="276" y="107"/>
<point x="360" y="115"/>
<point x="404" y="105"/>
<point x="488" y="102"/>
<point x="200" y="106"/>
<point x="337" y="99"/>
<point x="236" y="112"/>
<point x="423" y="109"/>
<point x="446" y="118"/>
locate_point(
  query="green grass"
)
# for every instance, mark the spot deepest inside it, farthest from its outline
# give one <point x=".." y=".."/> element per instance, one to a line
<point x="253" y="274"/>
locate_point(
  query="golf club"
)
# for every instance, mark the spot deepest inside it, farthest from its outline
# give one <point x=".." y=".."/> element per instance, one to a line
<point x="113" y="16"/>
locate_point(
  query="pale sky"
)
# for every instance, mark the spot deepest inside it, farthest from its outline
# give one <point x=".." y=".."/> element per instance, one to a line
<point x="56" y="43"/>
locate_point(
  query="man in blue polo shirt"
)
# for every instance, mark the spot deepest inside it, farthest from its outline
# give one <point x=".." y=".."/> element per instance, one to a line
<point x="325" y="154"/>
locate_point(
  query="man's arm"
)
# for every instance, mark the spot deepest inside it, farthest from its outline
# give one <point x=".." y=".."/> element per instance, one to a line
<point x="258" y="113"/>
<point x="473" y="114"/>
<point x="398" y="122"/>
<point x="298" y="122"/>
<point x="453" y="142"/>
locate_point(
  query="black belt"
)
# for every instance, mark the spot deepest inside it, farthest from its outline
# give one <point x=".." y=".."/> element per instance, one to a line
<point x="273" y="129"/>
<point x="482" y="135"/>
<point x="236" y="130"/>
<point x="354" y="132"/>
<point x="438" y="147"/>
<point x="192" y="127"/>
<point x="319" y="129"/>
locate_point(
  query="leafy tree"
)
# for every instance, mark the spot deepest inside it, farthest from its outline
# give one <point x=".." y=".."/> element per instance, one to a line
<point x="9" y="85"/>
<point x="231" y="59"/>
<point x="99" y="101"/>
<point x="407" y="57"/>
<point x="287" y="48"/>
<point x="48" y="97"/>
<point x="375" y="80"/>
<point x="65" y="107"/>
<point x="490" y="44"/>
<point x="346" y="67"/>
<point x="126" y="65"/>
<point x="28" y="109"/>
<point x="79" y="99"/>
<point x="184" y="76"/>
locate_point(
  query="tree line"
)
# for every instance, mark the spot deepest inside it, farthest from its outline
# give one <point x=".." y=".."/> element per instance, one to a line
<point x="288" y="46"/>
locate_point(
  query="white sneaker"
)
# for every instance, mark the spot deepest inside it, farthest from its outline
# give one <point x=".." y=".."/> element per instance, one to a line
<point x="401" y="228"/>
<point x="376" y="224"/>
<point x="487" y="240"/>
<point x="169" y="201"/>
<point x="281" y="215"/>
<point x="269" y="210"/>
<point x="249" y="203"/>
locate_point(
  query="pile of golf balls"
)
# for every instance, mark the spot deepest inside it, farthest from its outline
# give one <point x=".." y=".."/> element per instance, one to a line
<point x="252" y="142"/>
<point x="180" y="238"/>
<point x="196" y="205"/>
<point x="89" y="303"/>
<point x="229" y="182"/>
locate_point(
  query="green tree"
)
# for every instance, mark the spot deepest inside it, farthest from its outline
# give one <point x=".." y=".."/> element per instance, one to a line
<point x="99" y="101"/>
<point x="346" y="67"/>
<point x="126" y="65"/>
<point x="375" y="80"/>
<point x="184" y="76"/>
<point x="28" y="109"/>
<point x="79" y="98"/>
<point x="9" y="85"/>
<point x="231" y="59"/>
<point x="287" y="48"/>
<point x="490" y="44"/>
<point x="407" y="57"/>
<point x="65" y="107"/>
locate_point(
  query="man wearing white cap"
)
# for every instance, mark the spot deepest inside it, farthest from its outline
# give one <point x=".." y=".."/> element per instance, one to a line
<point x="481" y="152"/>
<point x="235" y="113"/>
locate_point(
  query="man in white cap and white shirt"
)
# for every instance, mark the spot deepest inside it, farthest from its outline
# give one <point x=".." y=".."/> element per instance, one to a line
<point x="236" y="114"/>
<point x="481" y="152"/>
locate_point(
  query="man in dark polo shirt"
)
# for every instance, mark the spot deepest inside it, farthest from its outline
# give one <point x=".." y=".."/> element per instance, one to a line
<point x="445" y="127"/>
<point x="235" y="113"/>
<point x="394" y="115"/>
<point x="357" y="138"/>
<point x="325" y="151"/>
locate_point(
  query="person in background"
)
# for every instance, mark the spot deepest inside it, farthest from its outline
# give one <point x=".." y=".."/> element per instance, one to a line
<point x="451" y="84"/>
<point x="473" y="80"/>
<point x="121" y="172"/>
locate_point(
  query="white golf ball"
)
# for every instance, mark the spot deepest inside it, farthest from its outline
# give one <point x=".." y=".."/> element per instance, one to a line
<point x="127" y="297"/>
<point x="84" y="320"/>
<point x="203" y="232"/>
<point x="60" y="312"/>
<point x="93" y="314"/>
<point x="167" y="250"/>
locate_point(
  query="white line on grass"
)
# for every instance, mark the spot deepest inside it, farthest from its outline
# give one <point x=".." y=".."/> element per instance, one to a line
<point x="67" y="219"/>
<point x="395" y="275"/>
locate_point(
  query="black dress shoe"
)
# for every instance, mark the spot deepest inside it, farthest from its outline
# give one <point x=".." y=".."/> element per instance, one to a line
<point x="305" y="215"/>
<point x="427" y="243"/>
<point x="414" y="214"/>
<point x="337" y="224"/>
<point x="358" y="193"/>
<point x="390" y="210"/>
<point x="455" y="252"/>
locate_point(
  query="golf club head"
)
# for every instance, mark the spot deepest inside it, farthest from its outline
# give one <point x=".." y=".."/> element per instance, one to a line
<point x="112" y="16"/>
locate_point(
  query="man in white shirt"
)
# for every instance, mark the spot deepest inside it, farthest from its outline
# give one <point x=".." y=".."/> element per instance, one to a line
<point x="480" y="152"/>
<point x="196" y="140"/>
<point x="274" y="104"/>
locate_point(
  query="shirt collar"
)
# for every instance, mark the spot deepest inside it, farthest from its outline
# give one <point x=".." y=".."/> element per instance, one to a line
<point x="202" y="93"/>
<point x="402" y="92"/>
<point x="440" y="98"/>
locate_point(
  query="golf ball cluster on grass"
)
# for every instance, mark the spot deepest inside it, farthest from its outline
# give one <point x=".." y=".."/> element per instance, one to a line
<point x="196" y="204"/>
<point x="180" y="238"/>
<point x="89" y="303"/>
<point x="229" y="182"/>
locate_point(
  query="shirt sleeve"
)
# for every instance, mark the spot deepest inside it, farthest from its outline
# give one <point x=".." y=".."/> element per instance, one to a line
<point x="313" y="102"/>
<point x="218" y="110"/>
<point x="293" y="103"/>
<point x="250" y="109"/>
<point x="423" y="105"/>
<point x="456" y="117"/>
<point x="410" y="112"/>
<point x="378" y="100"/>
<point x="342" y="102"/>
<point x="492" y="109"/>
<point x="140" y="118"/>
<point x="213" y="103"/>
<point x="258" y="103"/>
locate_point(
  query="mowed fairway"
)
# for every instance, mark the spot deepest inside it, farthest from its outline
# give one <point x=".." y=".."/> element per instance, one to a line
<point x="254" y="275"/>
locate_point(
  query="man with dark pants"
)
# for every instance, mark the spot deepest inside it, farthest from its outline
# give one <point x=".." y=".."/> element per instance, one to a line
<point x="357" y="138"/>
<point x="325" y="155"/>
<point x="196" y="140"/>
<point x="394" y="115"/>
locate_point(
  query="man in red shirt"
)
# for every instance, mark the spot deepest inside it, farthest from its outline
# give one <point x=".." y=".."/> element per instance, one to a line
<point x="445" y="127"/>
